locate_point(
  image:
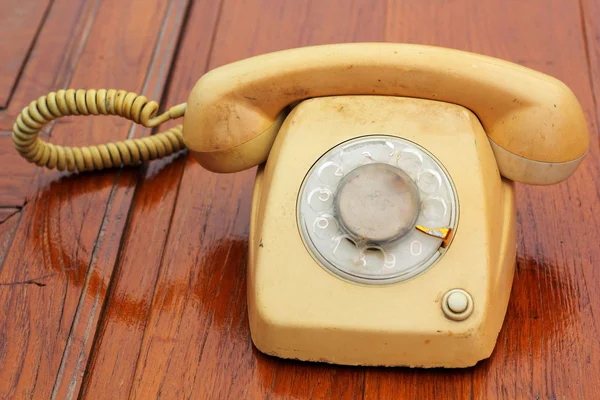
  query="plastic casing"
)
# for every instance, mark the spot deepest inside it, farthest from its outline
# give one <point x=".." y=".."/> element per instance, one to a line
<point x="299" y="310"/>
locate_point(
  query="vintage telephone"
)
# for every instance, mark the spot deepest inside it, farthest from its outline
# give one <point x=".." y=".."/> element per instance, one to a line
<point x="383" y="222"/>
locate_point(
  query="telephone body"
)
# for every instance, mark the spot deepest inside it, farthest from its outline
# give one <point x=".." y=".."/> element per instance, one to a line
<point x="467" y="125"/>
<point x="383" y="224"/>
<point x="299" y="311"/>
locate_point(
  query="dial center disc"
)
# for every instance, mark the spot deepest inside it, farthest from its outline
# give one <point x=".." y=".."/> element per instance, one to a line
<point x="377" y="203"/>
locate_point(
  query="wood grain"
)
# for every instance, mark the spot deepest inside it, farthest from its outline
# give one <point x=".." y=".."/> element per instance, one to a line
<point x="50" y="66"/>
<point x="9" y="219"/>
<point x="7" y="212"/>
<point x="590" y="9"/>
<point x="70" y="232"/>
<point x="16" y="179"/>
<point x="203" y="263"/>
<point x="132" y="283"/>
<point x="117" y="346"/>
<point x="20" y="22"/>
<point x="54" y="55"/>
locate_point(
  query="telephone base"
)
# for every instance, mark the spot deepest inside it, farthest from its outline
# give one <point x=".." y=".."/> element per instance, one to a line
<point x="299" y="310"/>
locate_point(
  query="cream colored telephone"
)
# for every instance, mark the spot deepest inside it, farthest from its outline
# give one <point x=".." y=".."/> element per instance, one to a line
<point x="383" y="221"/>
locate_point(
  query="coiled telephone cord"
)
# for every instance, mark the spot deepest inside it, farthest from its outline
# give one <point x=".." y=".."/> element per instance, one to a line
<point x="95" y="102"/>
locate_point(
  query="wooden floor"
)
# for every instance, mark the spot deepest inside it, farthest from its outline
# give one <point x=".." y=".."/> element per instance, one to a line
<point x="132" y="282"/>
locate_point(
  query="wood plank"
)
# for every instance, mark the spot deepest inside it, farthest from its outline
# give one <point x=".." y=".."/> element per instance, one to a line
<point x="9" y="219"/>
<point x="51" y="63"/>
<point x="50" y="66"/>
<point x="70" y="232"/>
<point x="16" y="180"/>
<point x="7" y="212"/>
<point x="590" y="10"/>
<point x="117" y="347"/>
<point x="167" y="29"/>
<point x="196" y="340"/>
<point x="21" y="22"/>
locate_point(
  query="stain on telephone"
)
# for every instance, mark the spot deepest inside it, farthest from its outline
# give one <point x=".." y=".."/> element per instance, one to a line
<point x="383" y="218"/>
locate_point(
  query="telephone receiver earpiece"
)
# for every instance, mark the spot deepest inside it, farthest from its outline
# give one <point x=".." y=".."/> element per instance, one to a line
<point x="534" y="123"/>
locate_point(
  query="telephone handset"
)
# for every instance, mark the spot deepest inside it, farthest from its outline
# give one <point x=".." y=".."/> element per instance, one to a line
<point x="534" y="122"/>
<point x="383" y="221"/>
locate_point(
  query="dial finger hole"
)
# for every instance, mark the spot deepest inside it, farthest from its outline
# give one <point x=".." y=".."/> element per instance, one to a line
<point x="320" y="199"/>
<point x="373" y="257"/>
<point x="429" y="181"/>
<point x="382" y="152"/>
<point x="326" y="227"/>
<point x="353" y="157"/>
<point x="410" y="161"/>
<point x="345" y="250"/>
<point x="434" y="209"/>
<point x="330" y="173"/>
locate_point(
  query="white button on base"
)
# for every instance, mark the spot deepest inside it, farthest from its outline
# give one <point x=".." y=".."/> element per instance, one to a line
<point x="457" y="304"/>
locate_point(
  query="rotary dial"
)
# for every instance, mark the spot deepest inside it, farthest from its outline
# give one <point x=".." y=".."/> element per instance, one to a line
<point x="377" y="209"/>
